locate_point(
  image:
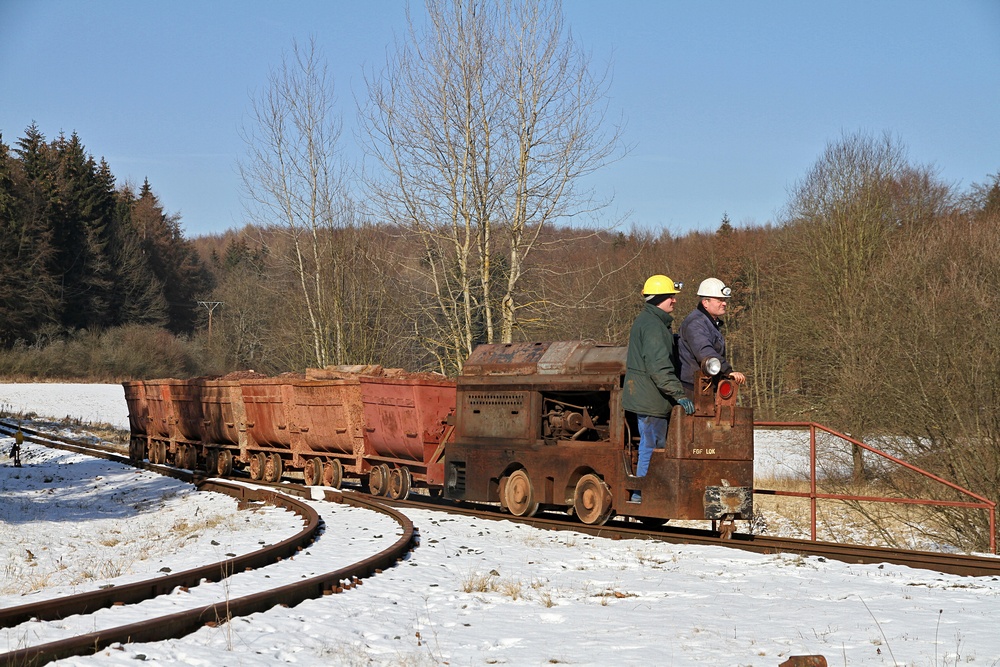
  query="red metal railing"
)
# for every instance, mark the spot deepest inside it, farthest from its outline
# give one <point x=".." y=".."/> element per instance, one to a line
<point x="814" y="495"/>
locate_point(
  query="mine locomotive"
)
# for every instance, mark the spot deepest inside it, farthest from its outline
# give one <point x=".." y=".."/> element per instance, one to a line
<point x="528" y="425"/>
<point x="540" y="425"/>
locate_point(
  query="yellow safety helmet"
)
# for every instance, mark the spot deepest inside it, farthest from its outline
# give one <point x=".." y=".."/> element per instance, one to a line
<point x="660" y="284"/>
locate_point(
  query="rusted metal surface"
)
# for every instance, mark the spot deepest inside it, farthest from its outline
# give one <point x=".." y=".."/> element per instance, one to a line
<point x="549" y="358"/>
<point x="551" y="414"/>
<point x="317" y="423"/>
<point x="186" y="402"/>
<point x="804" y="661"/>
<point x="138" y="410"/>
<point x="222" y="411"/>
<point x="508" y="359"/>
<point x="266" y="402"/>
<point x="161" y="411"/>
<point x="327" y="417"/>
<point x="406" y="421"/>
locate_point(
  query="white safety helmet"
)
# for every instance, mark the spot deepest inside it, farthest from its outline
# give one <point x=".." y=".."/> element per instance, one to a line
<point x="713" y="287"/>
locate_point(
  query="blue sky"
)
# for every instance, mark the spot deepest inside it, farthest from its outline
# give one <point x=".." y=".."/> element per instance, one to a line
<point x="728" y="103"/>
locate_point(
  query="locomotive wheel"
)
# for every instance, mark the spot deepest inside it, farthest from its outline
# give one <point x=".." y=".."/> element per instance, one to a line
<point x="224" y="463"/>
<point x="519" y="495"/>
<point x="313" y="472"/>
<point x="378" y="480"/>
<point x="273" y="468"/>
<point x="592" y="500"/>
<point x="257" y="463"/>
<point x="400" y="481"/>
<point x="333" y="473"/>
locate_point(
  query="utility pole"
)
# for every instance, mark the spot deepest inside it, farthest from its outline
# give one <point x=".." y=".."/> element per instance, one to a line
<point x="211" y="306"/>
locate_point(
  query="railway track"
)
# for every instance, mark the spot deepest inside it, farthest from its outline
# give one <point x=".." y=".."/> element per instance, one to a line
<point x="162" y="627"/>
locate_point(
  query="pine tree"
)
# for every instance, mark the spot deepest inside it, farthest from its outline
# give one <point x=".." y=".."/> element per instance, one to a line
<point x="172" y="259"/>
<point x="81" y="218"/>
<point x="137" y="294"/>
<point x="28" y="290"/>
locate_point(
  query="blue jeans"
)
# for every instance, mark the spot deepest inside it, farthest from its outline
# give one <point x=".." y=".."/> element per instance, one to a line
<point x="652" y="435"/>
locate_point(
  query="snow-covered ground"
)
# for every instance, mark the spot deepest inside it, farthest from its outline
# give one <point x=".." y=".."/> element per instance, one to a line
<point x="475" y="592"/>
<point x="90" y="403"/>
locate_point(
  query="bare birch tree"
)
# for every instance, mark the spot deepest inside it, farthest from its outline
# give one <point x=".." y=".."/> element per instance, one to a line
<point x="294" y="178"/>
<point x="482" y="124"/>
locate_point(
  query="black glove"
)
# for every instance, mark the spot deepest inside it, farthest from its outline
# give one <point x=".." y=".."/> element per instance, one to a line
<point x="687" y="404"/>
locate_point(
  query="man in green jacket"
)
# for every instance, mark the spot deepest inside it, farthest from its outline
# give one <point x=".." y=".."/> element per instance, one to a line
<point x="651" y="383"/>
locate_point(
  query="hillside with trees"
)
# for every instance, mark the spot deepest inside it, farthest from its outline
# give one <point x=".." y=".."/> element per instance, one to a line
<point x="82" y="256"/>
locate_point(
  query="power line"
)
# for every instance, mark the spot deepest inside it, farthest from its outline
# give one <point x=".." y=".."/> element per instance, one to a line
<point x="211" y="306"/>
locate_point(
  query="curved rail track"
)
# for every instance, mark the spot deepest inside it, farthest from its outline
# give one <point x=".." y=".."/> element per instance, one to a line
<point x="183" y="623"/>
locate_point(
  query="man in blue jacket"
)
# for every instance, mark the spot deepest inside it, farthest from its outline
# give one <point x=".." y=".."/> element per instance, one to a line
<point x="701" y="334"/>
<point x="651" y="383"/>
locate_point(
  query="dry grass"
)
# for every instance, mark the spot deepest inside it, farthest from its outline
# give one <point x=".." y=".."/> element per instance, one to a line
<point x="869" y="523"/>
<point x="30" y="567"/>
<point x="513" y="588"/>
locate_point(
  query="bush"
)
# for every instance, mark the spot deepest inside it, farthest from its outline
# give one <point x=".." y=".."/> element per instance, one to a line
<point x="129" y="352"/>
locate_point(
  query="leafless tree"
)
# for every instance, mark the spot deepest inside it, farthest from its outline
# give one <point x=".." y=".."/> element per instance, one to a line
<point x="482" y="124"/>
<point x="294" y="176"/>
<point x="846" y="215"/>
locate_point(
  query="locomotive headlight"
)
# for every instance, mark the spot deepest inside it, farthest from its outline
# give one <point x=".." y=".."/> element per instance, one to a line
<point x="711" y="366"/>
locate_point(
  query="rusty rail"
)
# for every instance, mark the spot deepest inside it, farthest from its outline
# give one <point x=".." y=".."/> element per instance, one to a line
<point x="813" y="495"/>
<point x="85" y="603"/>
<point x="183" y="623"/>
<point x="186" y="622"/>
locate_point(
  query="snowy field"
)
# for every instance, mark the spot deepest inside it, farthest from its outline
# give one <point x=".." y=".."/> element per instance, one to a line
<point x="89" y="403"/>
<point x="473" y="592"/>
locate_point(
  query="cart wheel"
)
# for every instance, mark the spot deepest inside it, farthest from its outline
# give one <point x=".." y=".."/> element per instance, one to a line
<point x="136" y="450"/>
<point x="519" y="494"/>
<point x="378" y="480"/>
<point x="313" y="472"/>
<point x="273" y="468"/>
<point x="212" y="461"/>
<point x="592" y="500"/>
<point x="189" y="457"/>
<point x="333" y="473"/>
<point x="257" y="462"/>
<point x="400" y="481"/>
<point x="224" y="463"/>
